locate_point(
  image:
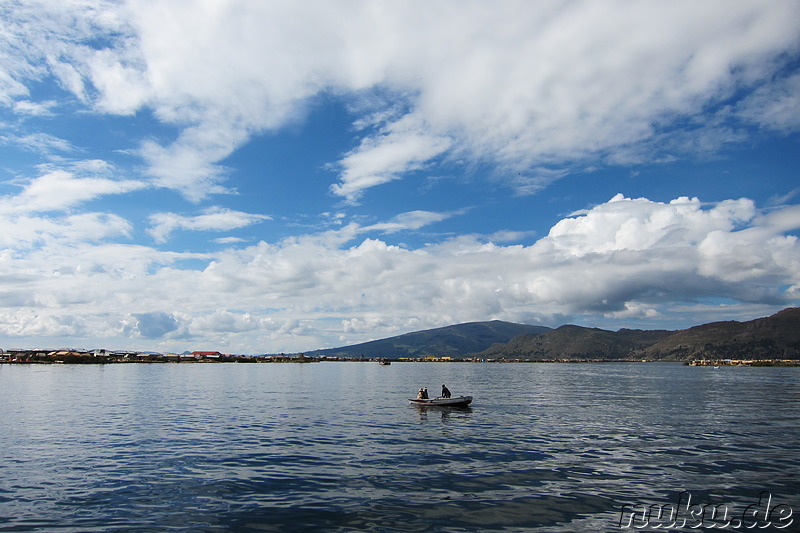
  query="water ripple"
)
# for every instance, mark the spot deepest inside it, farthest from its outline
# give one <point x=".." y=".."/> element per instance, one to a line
<point x="214" y="448"/>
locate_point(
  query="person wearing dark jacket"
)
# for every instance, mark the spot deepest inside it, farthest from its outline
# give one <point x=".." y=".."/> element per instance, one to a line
<point x="445" y="392"/>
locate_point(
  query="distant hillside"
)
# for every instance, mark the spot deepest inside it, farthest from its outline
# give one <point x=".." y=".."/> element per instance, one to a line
<point x="576" y="342"/>
<point x="452" y="341"/>
<point x="773" y="337"/>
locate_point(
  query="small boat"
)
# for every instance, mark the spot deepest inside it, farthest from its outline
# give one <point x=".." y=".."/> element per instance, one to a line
<point x="456" y="401"/>
<point x="385" y="362"/>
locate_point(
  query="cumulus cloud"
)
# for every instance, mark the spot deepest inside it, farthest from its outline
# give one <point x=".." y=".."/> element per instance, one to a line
<point x="155" y="325"/>
<point x="212" y="219"/>
<point x="510" y="235"/>
<point x="527" y="92"/>
<point x="625" y="258"/>
<point x="42" y="324"/>
<point x="224" y="321"/>
<point x="640" y="224"/>
<point x="25" y="231"/>
<point x="534" y="88"/>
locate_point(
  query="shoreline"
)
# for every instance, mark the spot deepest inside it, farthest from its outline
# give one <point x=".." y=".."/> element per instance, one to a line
<point x="90" y="360"/>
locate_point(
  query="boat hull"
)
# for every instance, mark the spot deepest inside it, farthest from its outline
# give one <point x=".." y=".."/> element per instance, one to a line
<point x="458" y="401"/>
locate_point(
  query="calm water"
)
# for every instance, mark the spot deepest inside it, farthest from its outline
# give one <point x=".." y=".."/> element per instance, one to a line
<point x="336" y="446"/>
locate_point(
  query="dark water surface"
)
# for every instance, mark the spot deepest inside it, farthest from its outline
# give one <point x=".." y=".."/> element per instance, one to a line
<point x="336" y="446"/>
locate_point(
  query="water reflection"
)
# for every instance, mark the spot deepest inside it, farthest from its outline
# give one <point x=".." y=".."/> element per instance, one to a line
<point x="441" y="411"/>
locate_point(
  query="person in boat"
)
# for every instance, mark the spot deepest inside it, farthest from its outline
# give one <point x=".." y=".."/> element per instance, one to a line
<point x="424" y="393"/>
<point x="445" y="392"/>
<point x="420" y="394"/>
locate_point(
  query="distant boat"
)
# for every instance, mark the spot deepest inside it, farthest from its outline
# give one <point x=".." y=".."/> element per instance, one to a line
<point x="385" y="362"/>
<point x="457" y="401"/>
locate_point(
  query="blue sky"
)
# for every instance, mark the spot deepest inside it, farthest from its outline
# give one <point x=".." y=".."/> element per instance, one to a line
<point x="262" y="177"/>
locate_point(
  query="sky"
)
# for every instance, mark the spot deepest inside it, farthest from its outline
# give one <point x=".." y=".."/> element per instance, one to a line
<point x="282" y="176"/>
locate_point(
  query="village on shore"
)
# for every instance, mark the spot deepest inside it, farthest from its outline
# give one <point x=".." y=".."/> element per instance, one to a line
<point x="102" y="356"/>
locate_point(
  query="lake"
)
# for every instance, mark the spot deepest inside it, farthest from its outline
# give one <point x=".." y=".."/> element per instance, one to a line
<point x="337" y="447"/>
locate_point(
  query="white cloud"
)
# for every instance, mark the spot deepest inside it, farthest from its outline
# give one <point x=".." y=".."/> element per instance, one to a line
<point x="625" y="259"/>
<point x="24" y="231"/>
<point x="42" y="143"/>
<point x="510" y="235"/>
<point x="187" y="166"/>
<point x="228" y="240"/>
<point x="640" y="224"/>
<point x="223" y="321"/>
<point x="528" y="90"/>
<point x="534" y="88"/>
<point x="43" y="37"/>
<point x="39" y="109"/>
<point x="380" y="159"/>
<point x="411" y="220"/>
<point x="58" y="189"/>
<point x="68" y="76"/>
<point x="537" y="86"/>
<point x="31" y="324"/>
<point x="155" y="325"/>
<point x="44" y="212"/>
<point x="212" y="219"/>
<point x="123" y="90"/>
<point x="774" y="106"/>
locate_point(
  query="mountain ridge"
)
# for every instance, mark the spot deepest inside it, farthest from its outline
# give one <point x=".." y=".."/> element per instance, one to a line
<point x="575" y="342"/>
<point x="773" y="337"/>
<point x="456" y="340"/>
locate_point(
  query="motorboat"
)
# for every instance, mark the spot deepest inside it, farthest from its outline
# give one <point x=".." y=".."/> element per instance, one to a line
<point x="455" y="401"/>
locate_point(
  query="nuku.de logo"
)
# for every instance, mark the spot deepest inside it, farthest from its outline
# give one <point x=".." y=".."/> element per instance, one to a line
<point x="685" y="514"/>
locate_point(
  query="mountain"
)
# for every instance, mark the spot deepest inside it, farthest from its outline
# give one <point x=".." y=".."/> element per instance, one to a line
<point x="575" y="342"/>
<point x="772" y="337"/>
<point x="449" y="341"/>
